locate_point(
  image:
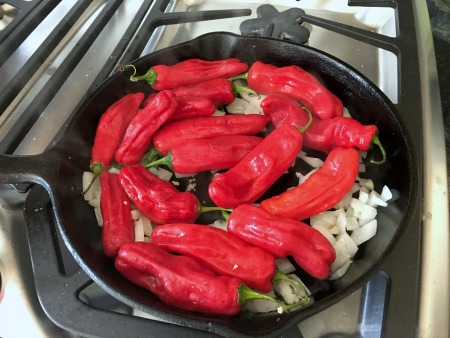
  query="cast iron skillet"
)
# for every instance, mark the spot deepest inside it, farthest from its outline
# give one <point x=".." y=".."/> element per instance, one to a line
<point x="59" y="171"/>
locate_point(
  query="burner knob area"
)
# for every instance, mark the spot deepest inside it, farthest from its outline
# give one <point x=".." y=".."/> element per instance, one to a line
<point x="284" y="25"/>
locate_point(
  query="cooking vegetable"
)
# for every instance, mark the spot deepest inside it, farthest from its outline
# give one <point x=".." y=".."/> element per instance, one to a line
<point x="207" y="127"/>
<point x="190" y="107"/>
<point x="296" y="83"/>
<point x="219" y="251"/>
<point x="283" y="237"/>
<point x="139" y="133"/>
<point x="258" y="170"/>
<point x="159" y="200"/>
<point x="111" y="127"/>
<point x="320" y="191"/>
<point x="195" y="155"/>
<point x="221" y="91"/>
<point x="183" y="282"/>
<point x="188" y="72"/>
<point x="323" y="135"/>
<point x="118" y="226"/>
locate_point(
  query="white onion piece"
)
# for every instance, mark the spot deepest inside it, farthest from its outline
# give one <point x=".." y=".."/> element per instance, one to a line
<point x="284" y="265"/>
<point x="139" y="231"/>
<point x="345" y="112"/>
<point x="362" y="211"/>
<point x="238" y="106"/>
<point x="351" y="223"/>
<point x="220" y="223"/>
<point x="290" y="291"/>
<point x="342" y="256"/>
<point x="364" y="233"/>
<point x="218" y="113"/>
<point x="162" y="173"/>
<point x="87" y="178"/>
<point x="114" y="170"/>
<point x="135" y="214"/>
<point x="341" y="271"/>
<point x="386" y="194"/>
<point x="261" y="306"/>
<point x="98" y="216"/>
<point x="362" y="168"/>
<point x="95" y="202"/>
<point x="148" y="228"/>
<point x="367" y="183"/>
<point x="341" y="221"/>
<point x="313" y="161"/>
<point x="375" y="200"/>
<point x="350" y="245"/>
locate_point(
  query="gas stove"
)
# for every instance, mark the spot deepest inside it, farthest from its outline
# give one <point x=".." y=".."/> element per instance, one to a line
<point x="53" y="54"/>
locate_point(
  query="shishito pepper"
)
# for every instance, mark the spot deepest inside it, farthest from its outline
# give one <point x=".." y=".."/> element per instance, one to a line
<point x="207" y="127"/>
<point x="283" y="237"/>
<point x="159" y="200"/>
<point x="258" y="170"/>
<point x="139" y="133"/>
<point x="323" y="135"/>
<point x="183" y="282"/>
<point x="196" y="155"/>
<point x="221" y="91"/>
<point x="219" y="251"/>
<point x="194" y="106"/>
<point x="320" y="191"/>
<point x="118" y="226"/>
<point x="188" y="72"/>
<point x="296" y="83"/>
<point x="111" y="127"/>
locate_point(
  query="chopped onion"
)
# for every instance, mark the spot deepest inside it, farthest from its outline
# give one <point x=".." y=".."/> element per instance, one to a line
<point x="342" y="255"/>
<point x="325" y="232"/>
<point x="261" y="306"/>
<point x="92" y="192"/>
<point x="363" y="211"/>
<point x="350" y="245"/>
<point x="139" y="231"/>
<point x="98" y="216"/>
<point x="364" y="233"/>
<point x="114" y="170"/>
<point x="341" y="271"/>
<point x="218" y="113"/>
<point x="220" y="223"/>
<point x="284" y="265"/>
<point x="386" y="194"/>
<point x="162" y="173"/>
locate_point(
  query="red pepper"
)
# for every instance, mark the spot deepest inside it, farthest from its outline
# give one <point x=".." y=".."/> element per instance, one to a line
<point x="118" y="226"/>
<point x="159" y="200"/>
<point x="221" y="91"/>
<point x="192" y="71"/>
<point x="147" y="121"/>
<point x="181" y="281"/>
<point x="296" y="83"/>
<point x="320" y="191"/>
<point x="207" y="127"/>
<point x="283" y="237"/>
<point x="219" y="251"/>
<point x="111" y="128"/>
<point x="191" y="107"/>
<point x="196" y="155"/>
<point x="258" y="170"/>
<point x="322" y="135"/>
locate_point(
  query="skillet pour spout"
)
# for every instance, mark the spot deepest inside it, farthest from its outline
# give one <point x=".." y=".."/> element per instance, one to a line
<point x="60" y="171"/>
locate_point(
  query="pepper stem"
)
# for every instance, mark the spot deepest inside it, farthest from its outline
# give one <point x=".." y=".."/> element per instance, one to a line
<point x="166" y="160"/>
<point x="243" y="76"/>
<point x="241" y="89"/>
<point x="151" y="156"/>
<point x="202" y="209"/>
<point x="376" y="141"/>
<point x="96" y="168"/>
<point x="150" y="77"/>
<point x="306" y="126"/>
<point x="245" y="294"/>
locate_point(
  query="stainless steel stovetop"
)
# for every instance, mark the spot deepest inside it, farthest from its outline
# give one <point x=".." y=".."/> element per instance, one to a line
<point x="79" y="43"/>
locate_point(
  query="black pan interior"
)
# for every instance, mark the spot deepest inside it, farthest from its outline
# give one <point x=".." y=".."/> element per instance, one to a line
<point x="365" y="102"/>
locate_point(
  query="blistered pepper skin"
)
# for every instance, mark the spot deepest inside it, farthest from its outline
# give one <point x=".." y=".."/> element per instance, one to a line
<point x="298" y="84"/>
<point x="258" y="170"/>
<point x="118" y="226"/>
<point x="178" y="280"/>
<point x="320" y="191"/>
<point x="111" y="127"/>
<point x="283" y="237"/>
<point x="219" y="251"/>
<point x="157" y="199"/>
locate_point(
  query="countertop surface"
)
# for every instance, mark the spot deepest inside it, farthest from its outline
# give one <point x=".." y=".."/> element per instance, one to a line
<point x="439" y="11"/>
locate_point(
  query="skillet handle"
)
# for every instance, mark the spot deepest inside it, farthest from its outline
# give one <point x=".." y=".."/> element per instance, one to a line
<point x="26" y="168"/>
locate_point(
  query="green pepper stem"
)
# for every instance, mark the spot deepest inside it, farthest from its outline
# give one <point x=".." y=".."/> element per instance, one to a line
<point x="243" y="76"/>
<point x="96" y="168"/>
<point x="376" y="141"/>
<point x="202" y="209"/>
<point x="245" y="294"/>
<point x="225" y="215"/>
<point x="166" y="160"/>
<point x="240" y="89"/>
<point x="151" y="156"/>
<point x="307" y="125"/>
<point x="150" y="77"/>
